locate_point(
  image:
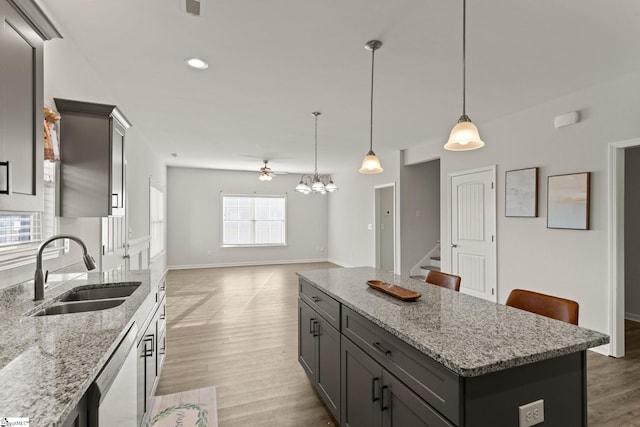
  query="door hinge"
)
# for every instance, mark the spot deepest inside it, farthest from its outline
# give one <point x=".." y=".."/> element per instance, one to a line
<point x="492" y="291"/>
<point x="492" y="236"/>
<point x="492" y="185"/>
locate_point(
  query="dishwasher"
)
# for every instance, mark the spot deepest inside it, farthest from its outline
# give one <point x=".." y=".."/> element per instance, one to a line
<point x="112" y="396"/>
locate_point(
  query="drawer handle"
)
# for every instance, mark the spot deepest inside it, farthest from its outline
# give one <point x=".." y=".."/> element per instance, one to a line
<point x="375" y="384"/>
<point x="381" y="349"/>
<point x="316" y="328"/>
<point x="315" y="299"/>
<point x="312" y="329"/>
<point x="383" y="406"/>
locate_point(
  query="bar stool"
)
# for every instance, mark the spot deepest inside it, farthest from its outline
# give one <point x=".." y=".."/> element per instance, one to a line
<point x="544" y="305"/>
<point x="445" y="280"/>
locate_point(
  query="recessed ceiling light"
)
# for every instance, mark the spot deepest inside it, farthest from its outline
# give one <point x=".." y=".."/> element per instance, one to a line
<point x="197" y="63"/>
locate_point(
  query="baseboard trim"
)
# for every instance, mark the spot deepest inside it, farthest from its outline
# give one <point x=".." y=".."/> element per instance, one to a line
<point x="632" y="316"/>
<point x="604" y="349"/>
<point x="245" y="263"/>
<point x="340" y="263"/>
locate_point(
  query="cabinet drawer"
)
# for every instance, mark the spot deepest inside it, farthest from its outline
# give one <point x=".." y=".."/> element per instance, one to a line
<point x="326" y="306"/>
<point x="434" y="383"/>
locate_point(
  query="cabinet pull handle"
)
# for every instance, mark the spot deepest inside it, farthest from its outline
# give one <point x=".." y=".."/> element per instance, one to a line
<point x="315" y="298"/>
<point x="381" y="349"/>
<point x="316" y="328"/>
<point x="312" y="321"/>
<point x="384" y="407"/>
<point x="148" y="339"/>
<point x="375" y="384"/>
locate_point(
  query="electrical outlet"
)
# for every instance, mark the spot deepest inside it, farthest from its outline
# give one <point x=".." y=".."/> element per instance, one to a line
<point x="532" y="413"/>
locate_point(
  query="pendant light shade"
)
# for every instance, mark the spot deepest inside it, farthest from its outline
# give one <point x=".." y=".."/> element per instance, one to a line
<point x="464" y="135"/>
<point x="371" y="163"/>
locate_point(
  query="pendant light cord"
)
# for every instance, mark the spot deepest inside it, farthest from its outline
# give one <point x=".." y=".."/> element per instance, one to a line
<point x="373" y="56"/>
<point x="464" y="58"/>
<point x="316" y="151"/>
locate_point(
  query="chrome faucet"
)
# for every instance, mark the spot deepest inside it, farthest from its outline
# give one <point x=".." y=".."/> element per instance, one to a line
<point x="38" y="281"/>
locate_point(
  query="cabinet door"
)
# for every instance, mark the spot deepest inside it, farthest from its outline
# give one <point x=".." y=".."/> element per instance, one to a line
<point x="328" y="369"/>
<point x="21" y="116"/>
<point x="402" y="407"/>
<point x="361" y="388"/>
<point x="307" y="326"/>
<point x="141" y="393"/>
<point x="117" y="169"/>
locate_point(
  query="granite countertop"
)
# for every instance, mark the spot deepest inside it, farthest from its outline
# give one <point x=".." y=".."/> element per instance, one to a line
<point x="48" y="362"/>
<point x="468" y="335"/>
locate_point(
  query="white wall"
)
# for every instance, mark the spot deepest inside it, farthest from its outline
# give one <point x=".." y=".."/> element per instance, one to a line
<point x="632" y="233"/>
<point x="568" y="263"/>
<point x="351" y="210"/>
<point x="194" y="219"/>
<point x="420" y="206"/>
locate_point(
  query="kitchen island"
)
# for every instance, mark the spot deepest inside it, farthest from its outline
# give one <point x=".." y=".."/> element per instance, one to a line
<point x="446" y="359"/>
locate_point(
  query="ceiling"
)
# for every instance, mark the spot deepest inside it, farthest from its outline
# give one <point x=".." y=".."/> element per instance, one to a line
<point x="272" y="63"/>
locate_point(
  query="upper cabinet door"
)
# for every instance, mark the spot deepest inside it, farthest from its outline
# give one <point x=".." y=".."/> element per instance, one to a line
<point x="21" y="113"/>
<point x="92" y="159"/>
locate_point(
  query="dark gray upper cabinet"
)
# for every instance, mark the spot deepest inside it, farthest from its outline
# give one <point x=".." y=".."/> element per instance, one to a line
<point x="23" y="30"/>
<point x="92" y="159"/>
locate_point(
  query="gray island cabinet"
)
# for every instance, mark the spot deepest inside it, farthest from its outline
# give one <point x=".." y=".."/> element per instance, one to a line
<point x="447" y="359"/>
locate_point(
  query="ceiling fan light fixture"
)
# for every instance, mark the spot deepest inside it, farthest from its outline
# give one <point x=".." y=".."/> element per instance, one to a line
<point x="265" y="177"/>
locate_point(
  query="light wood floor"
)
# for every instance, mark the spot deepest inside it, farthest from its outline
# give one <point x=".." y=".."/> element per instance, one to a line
<point x="236" y="328"/>
<point x="614" y="384"/>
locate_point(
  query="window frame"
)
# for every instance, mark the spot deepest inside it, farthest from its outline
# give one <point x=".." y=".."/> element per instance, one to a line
<point x="254" y="245"/>
<point x="155" y="255"/>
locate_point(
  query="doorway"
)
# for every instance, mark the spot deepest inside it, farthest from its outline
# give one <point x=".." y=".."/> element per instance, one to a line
<point x="619" y="269"/>
<point x="385" y="227"/>
<point x="473" y="231"/>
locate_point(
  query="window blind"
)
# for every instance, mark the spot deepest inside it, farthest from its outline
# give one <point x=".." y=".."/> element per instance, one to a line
<point x="253" y="220"/>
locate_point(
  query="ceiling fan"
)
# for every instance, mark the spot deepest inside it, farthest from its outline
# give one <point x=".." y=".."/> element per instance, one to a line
<point x="266" y="174"/>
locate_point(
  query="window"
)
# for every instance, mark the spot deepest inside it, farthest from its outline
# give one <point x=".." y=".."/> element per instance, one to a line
<point x="156" y="221"/>
<point x="253" y="221"/>
<point x="22" y="232"/>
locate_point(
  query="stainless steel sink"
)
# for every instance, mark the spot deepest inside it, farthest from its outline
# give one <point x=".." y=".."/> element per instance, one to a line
<point x="79" y="307"/>
<point x="105" y="291"/>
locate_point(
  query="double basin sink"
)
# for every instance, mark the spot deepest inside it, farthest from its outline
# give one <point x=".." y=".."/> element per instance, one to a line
<point x="83" y="298"/>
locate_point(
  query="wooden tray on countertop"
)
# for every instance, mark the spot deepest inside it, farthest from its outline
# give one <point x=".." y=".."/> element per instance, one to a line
<point x="399" y="292"/>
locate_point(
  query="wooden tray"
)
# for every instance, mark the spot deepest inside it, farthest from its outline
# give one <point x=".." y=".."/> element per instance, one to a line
<point x="399" y="292"/>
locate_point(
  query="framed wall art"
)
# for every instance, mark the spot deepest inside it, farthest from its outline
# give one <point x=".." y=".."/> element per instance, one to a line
<point x="521" y="193"/>
<point x="568" y="201"/>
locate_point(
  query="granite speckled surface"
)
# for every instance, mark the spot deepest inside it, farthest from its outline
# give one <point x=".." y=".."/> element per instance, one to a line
<point x="48" y="362"/>
<point x="468" y="335"/>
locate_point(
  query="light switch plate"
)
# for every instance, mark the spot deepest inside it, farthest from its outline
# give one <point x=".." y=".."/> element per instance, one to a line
<point x="532" y="413"/>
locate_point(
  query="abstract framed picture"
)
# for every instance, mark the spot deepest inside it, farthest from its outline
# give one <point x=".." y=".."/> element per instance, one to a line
<point x="521" y="193"/>
<point x="568" y="201"/>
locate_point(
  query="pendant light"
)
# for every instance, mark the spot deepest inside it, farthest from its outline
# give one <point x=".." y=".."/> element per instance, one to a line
<point x="316" y="183"/>
<point x="464" y="135"/>
<point x="371" y="163"/>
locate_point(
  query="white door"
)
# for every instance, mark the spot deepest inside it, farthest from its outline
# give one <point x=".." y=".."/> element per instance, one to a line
<point x="473" y="219"/>
<point x="114" y="244"/>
